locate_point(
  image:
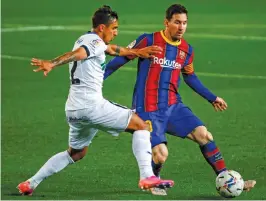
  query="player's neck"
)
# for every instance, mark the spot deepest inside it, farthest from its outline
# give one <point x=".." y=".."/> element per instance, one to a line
<point x="96" y="31"/>
<point x="168" y="36"/>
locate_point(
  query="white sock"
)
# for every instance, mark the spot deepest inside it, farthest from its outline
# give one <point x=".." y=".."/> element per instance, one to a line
<point x="55" y="164"/>
<point x="141" y="145"/>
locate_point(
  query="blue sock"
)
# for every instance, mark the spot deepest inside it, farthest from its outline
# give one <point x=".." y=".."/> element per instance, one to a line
<point x="213" y="156"/>
<point x="156" y="168"/>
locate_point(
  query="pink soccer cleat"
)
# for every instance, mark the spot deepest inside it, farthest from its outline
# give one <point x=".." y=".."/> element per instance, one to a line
<point x="154" y="181"/>
<point x="24" y="188"/>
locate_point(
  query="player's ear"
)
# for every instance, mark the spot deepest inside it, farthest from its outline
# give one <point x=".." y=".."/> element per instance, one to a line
<point x="166" y="23"/>
<point x="101" y="27"/>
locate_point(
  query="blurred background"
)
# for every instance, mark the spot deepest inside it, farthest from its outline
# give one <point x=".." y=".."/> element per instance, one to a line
<point x="229" y="40"/>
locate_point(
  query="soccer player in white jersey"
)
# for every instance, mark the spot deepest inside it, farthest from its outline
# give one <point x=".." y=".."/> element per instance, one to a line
<point x="87" y="110"/>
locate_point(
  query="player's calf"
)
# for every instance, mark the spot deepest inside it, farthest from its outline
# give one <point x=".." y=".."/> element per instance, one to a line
<point x="159" y="156"/>
<point x="208" y="148"/>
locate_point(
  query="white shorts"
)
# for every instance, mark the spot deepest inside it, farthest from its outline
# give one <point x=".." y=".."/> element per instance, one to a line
<point x="85" y="123"/>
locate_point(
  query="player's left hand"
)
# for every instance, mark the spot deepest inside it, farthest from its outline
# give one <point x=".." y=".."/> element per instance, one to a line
<point x="149" y="52"/>
<point x="44" y="65"/>
<point x="219" y="104"/>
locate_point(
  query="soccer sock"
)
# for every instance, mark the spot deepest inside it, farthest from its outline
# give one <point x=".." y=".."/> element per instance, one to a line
<point x="156" y="168"/>
<point x="213" y="156"/>
<point x="55" y="164"/>
<point x="141" y="146"/>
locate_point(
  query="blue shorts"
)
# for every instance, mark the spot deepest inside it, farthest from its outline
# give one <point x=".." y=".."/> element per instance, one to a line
<point x="177" y="120"/>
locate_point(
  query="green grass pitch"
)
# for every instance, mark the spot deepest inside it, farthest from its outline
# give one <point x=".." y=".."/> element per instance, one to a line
<point x="229" y="38"/>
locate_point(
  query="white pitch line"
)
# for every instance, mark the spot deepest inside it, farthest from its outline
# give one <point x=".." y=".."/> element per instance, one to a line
<point x="200" y="26"/>
<point x="221" y="75"/>
<point x="208" y="36"/>
<point x="258" y="77"/>
<point x="131" y="32"/>
<point x="158" y="26"/>
<point x="215" y="74"/>
<point x="15" y="57"/>
<point x="33" y="28"/>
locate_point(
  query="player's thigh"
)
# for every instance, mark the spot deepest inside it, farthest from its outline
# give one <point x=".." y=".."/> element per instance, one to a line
<point x="182" y="121"/>
<point x="81" y="132"/>
<point x="158" y="125"/>
<point x="109" y="116"/>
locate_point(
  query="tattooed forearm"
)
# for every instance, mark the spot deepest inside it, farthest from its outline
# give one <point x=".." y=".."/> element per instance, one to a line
<point x="122" y="51"/>
<point x="65" y="58"/>
<point x="117" y="50"/>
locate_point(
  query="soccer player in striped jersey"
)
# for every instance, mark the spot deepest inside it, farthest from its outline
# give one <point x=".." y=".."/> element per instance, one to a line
<point x="156" y="98"/>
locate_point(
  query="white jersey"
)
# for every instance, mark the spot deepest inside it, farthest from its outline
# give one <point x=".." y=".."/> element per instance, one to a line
<point x="86" y="76"/>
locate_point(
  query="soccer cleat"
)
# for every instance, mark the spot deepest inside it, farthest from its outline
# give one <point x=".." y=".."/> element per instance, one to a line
<point x="249" y="184"/>
<point x="158" y="191"/>
<point x="154" y="181"/>
<point x="24" y="188"/>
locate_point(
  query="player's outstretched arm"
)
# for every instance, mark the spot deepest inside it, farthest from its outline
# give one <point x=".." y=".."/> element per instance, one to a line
<point x="47" y="65"/>
<point x="146" y="52"/>
<point x="114" y="65"/>
<point x="194" y="83"/>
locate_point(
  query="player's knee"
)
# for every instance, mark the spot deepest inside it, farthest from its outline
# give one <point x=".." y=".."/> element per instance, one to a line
<point x="136" y="123"/>
<point x="144" y="126"/>
<point x="77" y="154"/>
<point x="81" y="155"/>
<point x="201" y="135"/>
<point x="209" y="136"/>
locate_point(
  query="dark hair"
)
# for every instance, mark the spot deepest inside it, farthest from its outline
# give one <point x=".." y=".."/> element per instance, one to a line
<point x="175" y="9"/>
<point x="104" y="15"/>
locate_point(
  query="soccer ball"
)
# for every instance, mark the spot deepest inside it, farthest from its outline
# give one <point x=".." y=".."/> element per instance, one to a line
<point x="229" y="184"/>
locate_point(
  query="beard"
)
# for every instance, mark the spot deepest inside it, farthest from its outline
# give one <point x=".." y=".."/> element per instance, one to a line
<point x="176" y="38"/>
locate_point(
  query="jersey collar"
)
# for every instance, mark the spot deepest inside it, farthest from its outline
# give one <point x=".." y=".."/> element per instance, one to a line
<point x="168" y="41"/>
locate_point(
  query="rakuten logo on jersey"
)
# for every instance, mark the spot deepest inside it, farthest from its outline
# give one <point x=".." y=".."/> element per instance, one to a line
<point x="166" y="63"/>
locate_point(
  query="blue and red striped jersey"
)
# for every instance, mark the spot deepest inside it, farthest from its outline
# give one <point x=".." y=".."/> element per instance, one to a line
<point x="158" y="78"/>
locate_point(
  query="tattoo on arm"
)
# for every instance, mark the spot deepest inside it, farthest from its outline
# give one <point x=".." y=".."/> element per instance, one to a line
<point x="65" y="58"/>
<point x="117" y="50"/>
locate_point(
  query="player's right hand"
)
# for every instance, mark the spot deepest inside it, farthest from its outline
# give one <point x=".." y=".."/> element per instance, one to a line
<point x="44" y="65"/>
<point x="149" y="52"/>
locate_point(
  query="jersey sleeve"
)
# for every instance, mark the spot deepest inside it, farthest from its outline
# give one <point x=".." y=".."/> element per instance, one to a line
<point x="93" y="46"/>
<point x="189" y="68"/>
<point x="140" y="42"/>
<point x="193" y="81"/>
